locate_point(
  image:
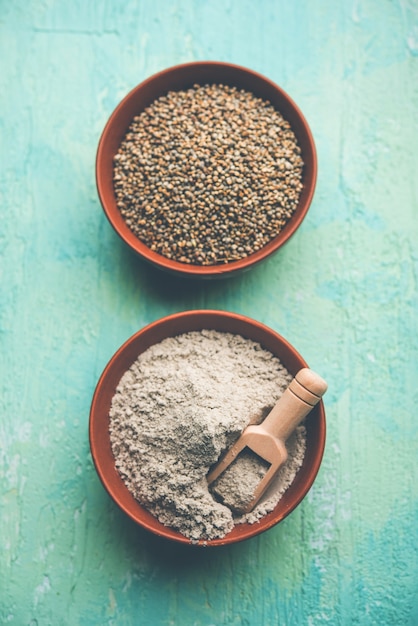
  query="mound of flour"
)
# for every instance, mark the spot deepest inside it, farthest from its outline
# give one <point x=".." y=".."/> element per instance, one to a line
<point x="180" y="405"/>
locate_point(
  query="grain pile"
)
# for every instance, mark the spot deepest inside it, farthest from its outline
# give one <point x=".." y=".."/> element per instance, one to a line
<point x="208" y="175"/>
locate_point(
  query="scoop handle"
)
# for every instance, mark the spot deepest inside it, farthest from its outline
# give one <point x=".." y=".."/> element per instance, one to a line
<point x="303" y="393"/>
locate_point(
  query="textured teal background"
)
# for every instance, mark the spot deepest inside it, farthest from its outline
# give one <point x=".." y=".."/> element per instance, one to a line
<point x="343" y="291"/>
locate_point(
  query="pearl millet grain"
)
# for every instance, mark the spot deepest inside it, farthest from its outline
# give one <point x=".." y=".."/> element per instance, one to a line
<point x="208" y="175"/>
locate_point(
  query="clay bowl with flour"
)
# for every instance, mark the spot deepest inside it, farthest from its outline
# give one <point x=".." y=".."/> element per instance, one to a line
<point x="182" y="77"/>
<point x="122" y="360"/>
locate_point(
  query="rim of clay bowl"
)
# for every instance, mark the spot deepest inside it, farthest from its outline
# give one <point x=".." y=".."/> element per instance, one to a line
<point x="155" y="332"/>
<point x="181" y="77"/>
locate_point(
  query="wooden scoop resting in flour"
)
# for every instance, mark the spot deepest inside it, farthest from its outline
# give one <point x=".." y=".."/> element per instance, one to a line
<point x="267" y="440"/>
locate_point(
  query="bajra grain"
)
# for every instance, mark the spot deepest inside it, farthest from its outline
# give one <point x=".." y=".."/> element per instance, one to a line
<point x="221" y="164"/>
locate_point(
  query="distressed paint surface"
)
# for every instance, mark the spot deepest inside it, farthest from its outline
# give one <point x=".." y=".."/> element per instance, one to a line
<point x="343" y="291"/>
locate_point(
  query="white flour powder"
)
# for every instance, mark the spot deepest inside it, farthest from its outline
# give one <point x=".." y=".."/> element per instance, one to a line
<point x="180" y="405"/>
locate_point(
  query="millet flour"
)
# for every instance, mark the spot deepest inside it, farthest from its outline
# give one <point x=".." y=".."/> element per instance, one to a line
<point x="180" y="405"/>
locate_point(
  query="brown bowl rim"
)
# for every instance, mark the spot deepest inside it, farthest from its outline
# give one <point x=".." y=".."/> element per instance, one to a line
<point x="289" y="109"/>
<point x="99" y="438"/>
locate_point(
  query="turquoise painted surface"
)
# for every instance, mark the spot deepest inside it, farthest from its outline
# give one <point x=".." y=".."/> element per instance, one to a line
<point x="343" y="291"/>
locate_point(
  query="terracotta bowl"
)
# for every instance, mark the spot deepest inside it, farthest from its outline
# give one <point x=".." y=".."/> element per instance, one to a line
<point x="183" y="77"/>
<point x="124" y="358"/>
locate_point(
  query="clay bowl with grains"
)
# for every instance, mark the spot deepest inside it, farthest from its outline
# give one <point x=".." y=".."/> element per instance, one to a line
<point x="206" y="169"/>
<point x="149" y="440"/>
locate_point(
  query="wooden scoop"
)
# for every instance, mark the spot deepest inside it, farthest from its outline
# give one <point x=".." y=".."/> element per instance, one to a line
<point x="267" y="439"/>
